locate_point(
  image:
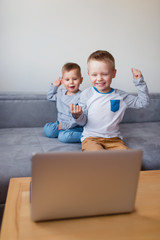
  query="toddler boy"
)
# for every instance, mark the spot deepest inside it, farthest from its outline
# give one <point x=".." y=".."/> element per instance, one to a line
<point x="65" y="128"/>
<point x="102" y="107"/>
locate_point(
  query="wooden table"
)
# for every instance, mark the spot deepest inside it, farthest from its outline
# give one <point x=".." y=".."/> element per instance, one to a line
<point x="144" y="223"/>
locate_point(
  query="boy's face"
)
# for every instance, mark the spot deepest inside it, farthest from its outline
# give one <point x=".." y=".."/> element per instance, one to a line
<point x="101" y="74"/>
<point x="71" y="80"/>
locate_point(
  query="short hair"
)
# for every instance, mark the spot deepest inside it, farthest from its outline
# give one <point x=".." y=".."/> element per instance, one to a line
<point x="70" y="66"/>
<point x="102" y="55"/>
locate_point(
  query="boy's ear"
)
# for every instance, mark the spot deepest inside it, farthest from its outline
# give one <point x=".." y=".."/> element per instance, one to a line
<point x="81" y="80"/>
<point x="114" y="73"/>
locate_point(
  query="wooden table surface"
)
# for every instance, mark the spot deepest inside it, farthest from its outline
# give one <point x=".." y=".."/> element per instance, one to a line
<point x="143" y="223"/>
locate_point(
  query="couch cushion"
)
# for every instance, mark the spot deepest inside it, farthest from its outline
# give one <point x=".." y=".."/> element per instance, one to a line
<point x="16" y="148"/>
<point x="26" y="110"/>
<point x="146" y="137"/>
<point x="18" y="144"/>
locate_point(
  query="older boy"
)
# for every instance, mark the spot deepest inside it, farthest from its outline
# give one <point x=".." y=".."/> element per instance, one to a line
<point x="102" y="107"/>
<point x="65" y="128"/>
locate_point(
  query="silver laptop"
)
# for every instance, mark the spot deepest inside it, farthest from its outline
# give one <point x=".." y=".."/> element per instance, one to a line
<point x="79" y="184"/>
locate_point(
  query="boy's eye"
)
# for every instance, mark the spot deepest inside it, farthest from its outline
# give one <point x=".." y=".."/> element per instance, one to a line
<point x="74" y="78"/>
<point x="94" y="74"/>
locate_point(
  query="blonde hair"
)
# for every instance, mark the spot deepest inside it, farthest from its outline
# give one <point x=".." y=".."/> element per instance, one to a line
<point x="103" y="56"/>
<point x="70" y="66"/>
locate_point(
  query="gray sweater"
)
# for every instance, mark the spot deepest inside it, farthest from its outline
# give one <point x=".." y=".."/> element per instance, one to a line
<point x="62" y="102"/>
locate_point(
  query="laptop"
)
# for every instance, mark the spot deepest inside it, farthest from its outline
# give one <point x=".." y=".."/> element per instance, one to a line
<point x="81" y="184"/>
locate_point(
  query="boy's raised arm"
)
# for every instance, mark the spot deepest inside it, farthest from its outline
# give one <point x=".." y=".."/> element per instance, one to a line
<point x="76" y="110"/>
<point x="78" y="114"/>
<point x="136" y="73"/>
<point x="142" y="100"/>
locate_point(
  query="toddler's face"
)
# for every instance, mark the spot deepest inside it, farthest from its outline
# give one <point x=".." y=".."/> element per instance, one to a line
<point x="71" y="81"/>
<point x="101" y="74"/>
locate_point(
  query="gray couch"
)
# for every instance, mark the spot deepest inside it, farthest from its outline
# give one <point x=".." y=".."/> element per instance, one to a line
<point x="22" y="117"/>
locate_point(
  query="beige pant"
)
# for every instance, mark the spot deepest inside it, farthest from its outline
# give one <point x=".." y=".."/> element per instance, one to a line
<point x="98" y="143"/>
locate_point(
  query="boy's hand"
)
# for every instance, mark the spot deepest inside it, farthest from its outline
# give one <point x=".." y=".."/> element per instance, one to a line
<point x="76" y="110"/>
<point x="58" y="82"/>
<point x="136" y="73"/>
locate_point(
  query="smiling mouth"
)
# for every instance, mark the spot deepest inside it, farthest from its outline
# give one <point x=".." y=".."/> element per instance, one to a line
<point x="100" y="84"/>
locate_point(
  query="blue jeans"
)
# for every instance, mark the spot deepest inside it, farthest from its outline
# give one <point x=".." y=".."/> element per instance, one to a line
<point x="72" y="135"/>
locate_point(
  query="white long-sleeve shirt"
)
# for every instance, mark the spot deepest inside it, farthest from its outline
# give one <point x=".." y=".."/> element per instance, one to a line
<point x="102" y="112"/>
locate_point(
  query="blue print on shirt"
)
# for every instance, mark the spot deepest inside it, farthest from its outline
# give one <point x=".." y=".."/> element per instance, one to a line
<point x="115" y="105"/>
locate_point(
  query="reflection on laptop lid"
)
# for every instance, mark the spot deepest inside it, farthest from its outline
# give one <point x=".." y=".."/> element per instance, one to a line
<point x="78" y="184"/>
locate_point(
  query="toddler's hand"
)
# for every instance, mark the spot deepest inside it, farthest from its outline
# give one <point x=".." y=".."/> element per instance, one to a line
<point x="136" y="73"/>
<point x="60" y="126"/>
<point x="58" y="82"/>
<point x="76" y="110"/>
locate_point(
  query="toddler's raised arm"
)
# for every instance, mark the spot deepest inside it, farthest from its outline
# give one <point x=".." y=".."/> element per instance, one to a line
<point x="58" y="82"/>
